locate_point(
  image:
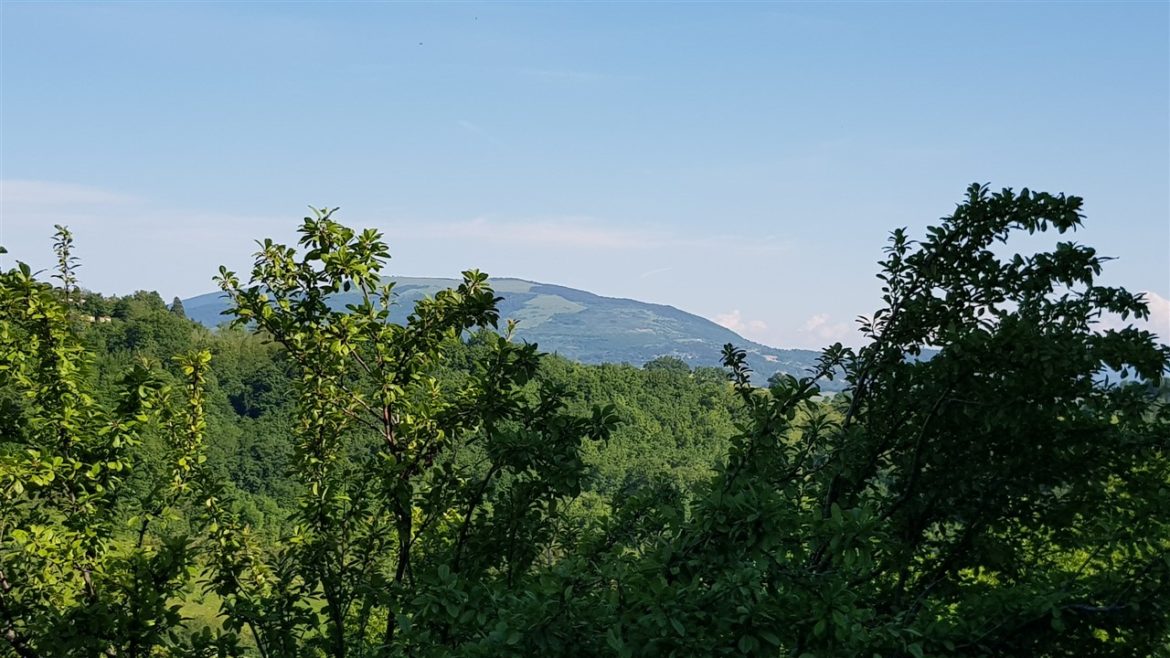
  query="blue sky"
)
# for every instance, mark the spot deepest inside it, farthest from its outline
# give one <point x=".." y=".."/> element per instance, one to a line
<point x="740" y="161"/>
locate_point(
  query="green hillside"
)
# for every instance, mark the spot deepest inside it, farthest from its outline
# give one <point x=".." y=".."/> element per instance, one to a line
<point x="586" y="327"/>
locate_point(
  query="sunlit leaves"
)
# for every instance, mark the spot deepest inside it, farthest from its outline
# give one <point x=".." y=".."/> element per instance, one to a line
<point x="411" y="478"/>
<point x="72" y="580"/>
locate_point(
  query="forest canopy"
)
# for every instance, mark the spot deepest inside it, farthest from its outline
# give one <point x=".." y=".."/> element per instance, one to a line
<point x="317" y="480"/>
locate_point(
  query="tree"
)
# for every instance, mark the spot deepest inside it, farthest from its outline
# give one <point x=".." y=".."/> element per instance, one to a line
<point x="73" y="581"/>
<point x="177" y="308"/>
<point x="67" y="263"/>
<point x="425" y="496"/>
<point x="668" y="364"/>
<point x="1000" y="498"/>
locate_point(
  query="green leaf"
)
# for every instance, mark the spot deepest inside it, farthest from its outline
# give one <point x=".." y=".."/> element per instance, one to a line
<point x="614" y="640"/>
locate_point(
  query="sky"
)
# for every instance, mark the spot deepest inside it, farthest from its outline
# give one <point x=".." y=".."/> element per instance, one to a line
<point x="744" y="162"/>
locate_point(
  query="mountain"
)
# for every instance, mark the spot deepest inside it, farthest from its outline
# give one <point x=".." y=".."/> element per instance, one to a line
<point x="585" y="327"/>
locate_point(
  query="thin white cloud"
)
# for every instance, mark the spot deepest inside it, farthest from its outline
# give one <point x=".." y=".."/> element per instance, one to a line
<point x="476" y="130"/>
<point x="821" y="327"/>
<point x="567" y="231"/>
<point x="651" y="273"/>
<point x="126" y="242"/>
<point x="736" y="322"/>
<point x="1159" y="321"/>
<point x="576" y="232"/>
<point x="17" y="192"/>
<point x="1157" y="324"/>
<point x="570" y="75"/>
<point x="120" y="236"/>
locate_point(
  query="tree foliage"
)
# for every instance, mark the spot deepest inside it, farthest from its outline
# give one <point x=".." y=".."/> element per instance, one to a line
<point x="993" y="481"/>
<point x="413" y="482"/>
<point x="1000" y="498"/>
<point x="73" y="581"/>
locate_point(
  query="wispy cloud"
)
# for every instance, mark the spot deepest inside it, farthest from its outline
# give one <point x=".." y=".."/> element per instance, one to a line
<point x="127" y="242"/>
<point x="822" y="328"/>
<point x="570" y="75"/>
<point x="651" y="273"/>
<point x="1157" y="324"/>
<point x="566" y="231"/>
<point x="576" y="232"/>
<point x="1159" y="321"/>
<point x="737" y="323"/>
<point x="476" y="130"/>
<point x="15" y="192"/>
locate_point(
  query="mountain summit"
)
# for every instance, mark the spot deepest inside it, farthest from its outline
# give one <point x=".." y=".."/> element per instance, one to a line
<point x="583" y="326"/>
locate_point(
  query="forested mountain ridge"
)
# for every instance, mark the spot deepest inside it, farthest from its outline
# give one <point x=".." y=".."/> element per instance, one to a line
<point x="583" y="326"/>
<point x="677" y="421"/>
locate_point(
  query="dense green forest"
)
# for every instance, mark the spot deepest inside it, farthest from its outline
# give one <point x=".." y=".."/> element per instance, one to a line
<point x="324" y="481"/>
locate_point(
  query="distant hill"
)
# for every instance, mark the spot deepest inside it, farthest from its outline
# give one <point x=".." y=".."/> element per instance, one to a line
<point x="586" y="327"/>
